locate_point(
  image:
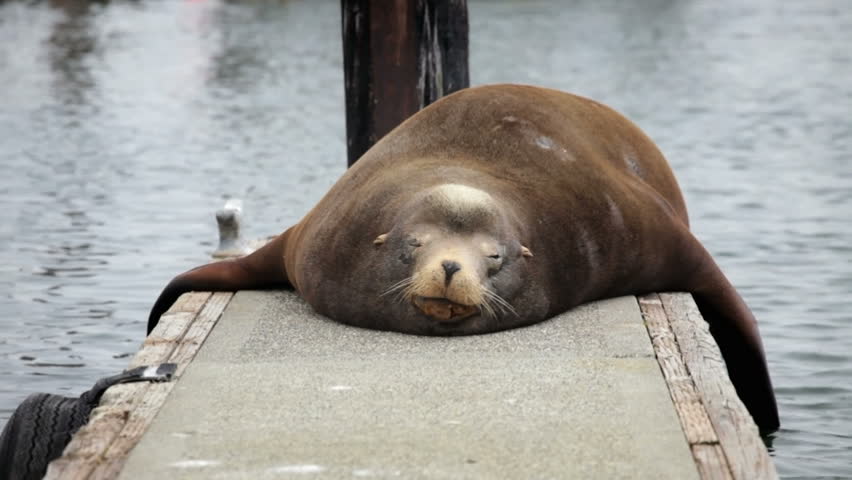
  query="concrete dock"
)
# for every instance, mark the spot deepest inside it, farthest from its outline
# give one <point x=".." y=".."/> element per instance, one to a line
<point x="277" y="391"/>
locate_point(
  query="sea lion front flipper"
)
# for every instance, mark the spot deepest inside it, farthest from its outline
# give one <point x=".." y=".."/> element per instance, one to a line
<point x="734" y="328"/>
<point x="262" y="269"/>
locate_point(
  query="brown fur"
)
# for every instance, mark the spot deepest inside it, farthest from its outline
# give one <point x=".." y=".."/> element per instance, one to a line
<point x="574" y="181"/>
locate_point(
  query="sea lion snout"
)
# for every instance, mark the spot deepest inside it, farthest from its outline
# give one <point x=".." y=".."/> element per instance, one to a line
<point x="448" y="290"/>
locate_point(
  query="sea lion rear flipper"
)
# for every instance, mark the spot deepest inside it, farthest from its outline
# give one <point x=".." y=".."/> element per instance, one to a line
<point x="734" y="328"/>
<point x="262" y="269"/>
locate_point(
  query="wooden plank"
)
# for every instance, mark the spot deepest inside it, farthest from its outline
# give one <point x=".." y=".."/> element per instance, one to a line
<point x="199" y="330"/>
<point x="98" y="449"/>
<point x="110" y="417"/>
<point x="707" y="459"/>
<point x="693" y="417"/>
<point x="159" y="345"/>
<point x="190" y="302"/>
<point x="110" y="460"/>
<point x="153" y="399"/>
<point x="738" y="435"/>
<point x="398" y="57"/>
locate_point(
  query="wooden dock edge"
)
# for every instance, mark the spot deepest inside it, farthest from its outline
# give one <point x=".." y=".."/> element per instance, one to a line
<point x="724" y="440"/>
<point x="99" y="449"/>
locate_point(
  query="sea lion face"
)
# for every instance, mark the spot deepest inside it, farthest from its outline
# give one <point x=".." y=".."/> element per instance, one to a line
<point x="455" y="264"/>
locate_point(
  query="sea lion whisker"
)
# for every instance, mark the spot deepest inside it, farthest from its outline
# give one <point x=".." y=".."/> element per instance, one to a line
<point x="402" y="283"/>
<point x="508" y="307"/>
<point x="405" y="282"/>
<point x="497" y="298"/>
<point x="407" y="294"/>
<point x="487" y="307"/>
<point x="400" y="294"/>
<point x="489" y="304"/>
<point x="500" y="301"/>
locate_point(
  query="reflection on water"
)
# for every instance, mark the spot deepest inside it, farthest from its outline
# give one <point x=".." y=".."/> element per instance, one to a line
<point x="126" y="124"/>
<point x="71" y="41"/>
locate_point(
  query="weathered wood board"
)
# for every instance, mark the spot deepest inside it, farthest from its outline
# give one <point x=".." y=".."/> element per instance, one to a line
<point x="99" y="449"/>
<point x="724" y="439"/>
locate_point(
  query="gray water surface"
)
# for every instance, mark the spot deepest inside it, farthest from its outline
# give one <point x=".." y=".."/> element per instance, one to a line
<point x="125" y="124"/>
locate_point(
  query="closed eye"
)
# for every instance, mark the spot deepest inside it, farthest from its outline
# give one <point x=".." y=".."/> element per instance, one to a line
<point x="496" y="256"/>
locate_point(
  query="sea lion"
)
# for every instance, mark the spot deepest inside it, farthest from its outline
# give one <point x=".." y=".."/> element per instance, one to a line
<point x="493" y="208"/>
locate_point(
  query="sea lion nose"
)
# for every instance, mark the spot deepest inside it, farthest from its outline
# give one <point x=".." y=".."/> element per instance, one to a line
<point x="450" y="267"/>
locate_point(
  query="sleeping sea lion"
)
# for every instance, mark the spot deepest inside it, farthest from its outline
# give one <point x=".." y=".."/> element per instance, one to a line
<point x="493" y="208"/>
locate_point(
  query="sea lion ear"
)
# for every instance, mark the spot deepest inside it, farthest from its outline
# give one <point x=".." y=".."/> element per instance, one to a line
<point x="380" y="239"/>
<point x="526" y="251"/>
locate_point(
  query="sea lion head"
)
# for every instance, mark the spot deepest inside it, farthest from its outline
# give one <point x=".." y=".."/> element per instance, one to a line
<point x="455" y="262"/>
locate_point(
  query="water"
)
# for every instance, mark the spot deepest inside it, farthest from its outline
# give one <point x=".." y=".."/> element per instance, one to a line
<point x="126" y="124"/>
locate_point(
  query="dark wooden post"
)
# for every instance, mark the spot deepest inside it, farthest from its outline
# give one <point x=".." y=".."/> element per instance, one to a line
<point x="398" y="57"/>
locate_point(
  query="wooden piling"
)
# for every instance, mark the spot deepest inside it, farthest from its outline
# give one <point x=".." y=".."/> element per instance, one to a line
<point x="398" y="57"/>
